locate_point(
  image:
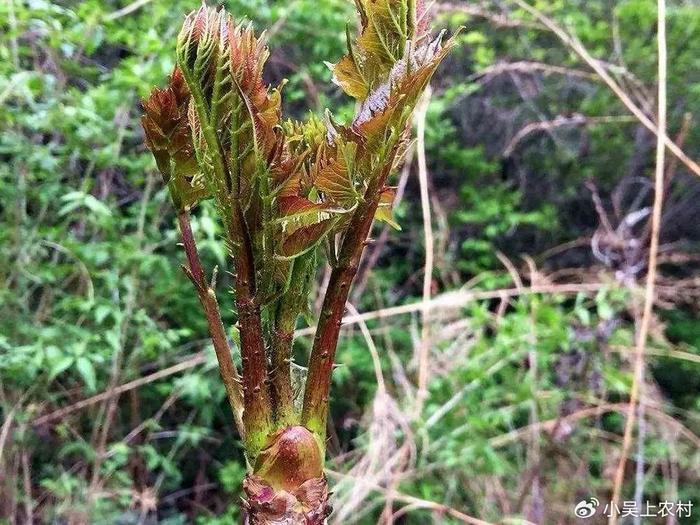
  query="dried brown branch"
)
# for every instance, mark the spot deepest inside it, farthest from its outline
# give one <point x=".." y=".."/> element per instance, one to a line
<point x="561" y="121"/>
<point x="526" y="66"/>
<point x="643" y="329"/>
<point x="61" y="413"/>
<point x="217" y="332"/>
<point x="419" y="503"/>
<point x="458" y="299"/>
<point x="127" y="10"/>
<point x="448" y="301"/>
<point x="108" y="410"/>
<point x="480" y="10"/>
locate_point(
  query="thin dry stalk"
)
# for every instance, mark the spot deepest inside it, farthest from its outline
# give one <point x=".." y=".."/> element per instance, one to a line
<point x="126" y="10"/>
<point x="575" y="45"/>
<point x="445" y="301"/>
<point x="411" y="500"/>
<point x="108" y="411"/>
<point x="676" y="354"/>
<point x="169" y="401"/>
<point x="5" y="430"/>
<point x="561" y="121"/>
<point x="461" y="298"/>
<point x="653" y="253"/>
<point x="424" y="347"/>
<point x="27" y="483"/>
<point x="481" y="11"/>
<point x="376" y="362"/>
<point x="381" y="462"/>
<point x="527" y="67"/>
<point x="61" y="413"/>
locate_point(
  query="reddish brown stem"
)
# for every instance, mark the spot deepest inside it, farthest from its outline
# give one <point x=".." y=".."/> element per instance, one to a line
<point x="318" y="380"/>
<point x="207" y="298"/>
<point x="256" y="394"/>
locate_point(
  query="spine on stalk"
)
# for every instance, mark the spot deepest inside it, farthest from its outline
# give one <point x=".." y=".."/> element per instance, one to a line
<point x="282" y="190"/>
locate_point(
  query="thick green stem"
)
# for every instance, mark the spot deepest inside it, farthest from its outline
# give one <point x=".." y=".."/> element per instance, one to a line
<point x="288" y="308"/>
<point x="282" y="339"/>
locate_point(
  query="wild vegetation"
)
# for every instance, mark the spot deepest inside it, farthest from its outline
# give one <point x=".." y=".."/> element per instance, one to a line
<point x="498" y="361"/>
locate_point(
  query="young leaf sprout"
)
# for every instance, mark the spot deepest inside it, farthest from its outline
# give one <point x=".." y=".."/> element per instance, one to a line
<point x="282" y="190"/>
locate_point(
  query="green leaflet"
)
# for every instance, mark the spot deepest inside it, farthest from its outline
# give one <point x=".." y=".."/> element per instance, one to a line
<point x="386" y="27"/>
<point x="305" y="239"/>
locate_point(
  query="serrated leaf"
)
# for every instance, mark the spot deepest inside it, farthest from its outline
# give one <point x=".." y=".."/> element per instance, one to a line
<point x="386" y="26"/>
<point x="256" y="110"/>
<point x="296" y="207"/>
<point x="386" y="109"/>
<point x="305" y="238"/>
<point x="347" y="75"/>
<point x="333" y="175"/>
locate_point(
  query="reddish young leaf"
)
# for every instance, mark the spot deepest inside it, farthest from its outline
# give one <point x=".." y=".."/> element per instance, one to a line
<point x="333" y="175"/>
<point x="247" y="57"/>
<point x="305" y="238"/>
<point x="388" y="106"/>
<point x="169" y="138"/>
<point x="297" y="207"/>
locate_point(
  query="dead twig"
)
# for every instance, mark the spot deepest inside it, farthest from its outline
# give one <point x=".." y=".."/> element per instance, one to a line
<point x="461" y="298"/>
<point x="643" y="331"/>
<point x="193" y="361"/>
<point x="372" y="349"/>
<point x="527" y="66"/>
<point x="411" y="500"/>
<point x="126" y="10"/>
<point x="481" y="11"/>
<point x="5" y="430"/>
<point x="449" y="300"/>
<point x="561" y="121"/>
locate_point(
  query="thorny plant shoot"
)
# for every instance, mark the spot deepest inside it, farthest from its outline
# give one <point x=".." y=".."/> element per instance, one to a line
<point x="283" y="189"/>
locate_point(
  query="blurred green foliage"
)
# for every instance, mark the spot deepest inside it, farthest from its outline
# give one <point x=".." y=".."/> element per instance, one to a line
<point x="91" y="294"/>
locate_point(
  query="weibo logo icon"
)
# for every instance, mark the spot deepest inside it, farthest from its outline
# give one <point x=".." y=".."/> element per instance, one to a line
<point x="586" y="508"/>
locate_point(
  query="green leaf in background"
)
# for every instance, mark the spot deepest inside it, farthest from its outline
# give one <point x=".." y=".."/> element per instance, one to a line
<point x="87" y="372"/>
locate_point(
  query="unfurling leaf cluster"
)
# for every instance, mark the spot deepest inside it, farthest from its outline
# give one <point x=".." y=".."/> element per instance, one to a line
<point x="282" y="188"/>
